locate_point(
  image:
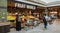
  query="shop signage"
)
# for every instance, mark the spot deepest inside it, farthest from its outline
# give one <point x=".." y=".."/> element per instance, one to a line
<point x="30" y="7"/>
<point x="20" y="5"/>
<point x="24" y="6"/>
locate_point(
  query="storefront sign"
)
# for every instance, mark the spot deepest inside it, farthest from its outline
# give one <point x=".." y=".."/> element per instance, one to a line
<point x="20" y="5"/>
<point x="30" y="7"/>
<point x="24" y="6"/>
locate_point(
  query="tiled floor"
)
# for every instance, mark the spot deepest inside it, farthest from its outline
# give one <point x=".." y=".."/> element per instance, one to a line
<point x="54" y="28"/>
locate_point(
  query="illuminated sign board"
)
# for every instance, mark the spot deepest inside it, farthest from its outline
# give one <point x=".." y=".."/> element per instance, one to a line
<point x="30" y="7"/>
<point x="24" y="6"/>
<point x="20" y="5"/>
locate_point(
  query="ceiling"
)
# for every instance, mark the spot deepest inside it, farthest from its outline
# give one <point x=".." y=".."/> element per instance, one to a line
<point x="44" y="3"/>
<point x="49" y="1"/>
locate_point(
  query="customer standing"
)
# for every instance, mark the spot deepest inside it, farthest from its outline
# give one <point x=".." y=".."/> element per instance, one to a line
<point x="18" y="23"/>
<point x="45" y="21"/>
<point x="52" y="16"/>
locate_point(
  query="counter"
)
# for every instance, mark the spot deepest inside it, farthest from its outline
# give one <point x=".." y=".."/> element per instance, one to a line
<point x="4" y="27"/>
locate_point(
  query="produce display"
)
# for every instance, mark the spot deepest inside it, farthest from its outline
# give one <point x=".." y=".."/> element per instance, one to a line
<point x="30" y="20"/>
<point x="9" y="17"/>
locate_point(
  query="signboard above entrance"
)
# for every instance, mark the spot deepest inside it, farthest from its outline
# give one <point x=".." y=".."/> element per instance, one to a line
<point x="20" y="5"/>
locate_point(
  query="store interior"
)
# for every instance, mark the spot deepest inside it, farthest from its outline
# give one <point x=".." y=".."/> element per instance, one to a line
<point x="29" y="13"/>
<point x="26" y="12"/>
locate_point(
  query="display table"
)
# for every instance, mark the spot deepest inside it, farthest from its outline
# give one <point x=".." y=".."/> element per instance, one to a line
<point x="4" y="27"/>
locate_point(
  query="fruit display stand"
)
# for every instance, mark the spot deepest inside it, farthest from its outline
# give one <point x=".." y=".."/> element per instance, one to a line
<point x="22" y="25"/>
<point x="11" y="18"/>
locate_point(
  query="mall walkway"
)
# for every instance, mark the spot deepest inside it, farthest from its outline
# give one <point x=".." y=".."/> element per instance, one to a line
<point x="54" y="28"/>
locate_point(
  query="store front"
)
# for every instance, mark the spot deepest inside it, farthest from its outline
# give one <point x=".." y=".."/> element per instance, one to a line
<point x="25" y="11"/>
<point x="53" y="11"/>
<point x="21" y="8"/>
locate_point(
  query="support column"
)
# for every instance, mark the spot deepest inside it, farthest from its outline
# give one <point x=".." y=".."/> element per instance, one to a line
<point x="46" y="11"/>
<point x="4" y="26"/>
<point x="3" y="10"/>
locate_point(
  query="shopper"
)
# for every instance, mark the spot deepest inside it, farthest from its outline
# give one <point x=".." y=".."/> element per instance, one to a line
<point x="52" y="16"/>
<point x="45" y="21"/>
<point x="18" y="23"/>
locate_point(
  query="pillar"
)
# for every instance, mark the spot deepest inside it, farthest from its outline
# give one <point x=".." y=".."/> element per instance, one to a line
<point x="3" y="10"/>
<point x="46" y="11"/>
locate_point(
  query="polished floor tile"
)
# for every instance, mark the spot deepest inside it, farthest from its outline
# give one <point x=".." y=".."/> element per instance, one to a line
<point x="54" y="28"/>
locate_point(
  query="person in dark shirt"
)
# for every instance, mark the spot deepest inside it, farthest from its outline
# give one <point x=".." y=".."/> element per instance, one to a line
<point x="18" y="24"/>
<point x="45" y="22"/>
